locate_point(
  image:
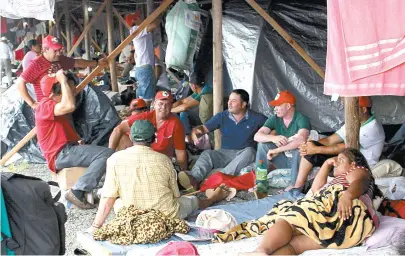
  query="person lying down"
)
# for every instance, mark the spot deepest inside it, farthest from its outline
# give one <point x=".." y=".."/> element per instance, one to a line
<point x="339" y="215"/>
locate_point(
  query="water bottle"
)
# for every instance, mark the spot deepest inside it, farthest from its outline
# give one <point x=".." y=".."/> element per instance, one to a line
<point x="261" y="178"/>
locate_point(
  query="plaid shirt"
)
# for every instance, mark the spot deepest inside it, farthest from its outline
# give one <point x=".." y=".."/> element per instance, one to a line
<point x="143" y="178"/>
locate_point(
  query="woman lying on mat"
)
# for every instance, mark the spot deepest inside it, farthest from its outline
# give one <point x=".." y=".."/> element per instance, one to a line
<point x="340" y="214"/>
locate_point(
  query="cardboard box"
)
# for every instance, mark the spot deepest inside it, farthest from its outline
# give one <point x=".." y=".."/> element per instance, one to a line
<point x="68" y="177"/>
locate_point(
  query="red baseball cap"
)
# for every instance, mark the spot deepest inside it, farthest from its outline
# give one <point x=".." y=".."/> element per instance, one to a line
<point x="131" y="17"/>
<point x="137" y="104"/>
<point x="365" y="101"/>
<point x="52" y="43"/>
<point x="163" y="95"/>
<point x="283" y="97"/>
<point x="47" y="83"/>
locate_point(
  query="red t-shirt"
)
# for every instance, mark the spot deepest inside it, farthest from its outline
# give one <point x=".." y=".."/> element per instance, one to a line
<point x="40" y="67"/>
<point x="53" y="132"/>
<point x="170" y="135"/>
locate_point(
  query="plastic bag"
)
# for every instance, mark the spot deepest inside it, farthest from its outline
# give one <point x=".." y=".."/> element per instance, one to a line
<point x="392" y="188"/>
<point x="182" y="27"/>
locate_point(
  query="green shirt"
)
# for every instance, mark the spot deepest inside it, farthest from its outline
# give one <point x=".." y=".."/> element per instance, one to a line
<point x="205" y="90"/>
<point x="299" y="122"/>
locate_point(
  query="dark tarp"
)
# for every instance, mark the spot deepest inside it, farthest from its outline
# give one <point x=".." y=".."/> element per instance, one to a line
<point x="94" y="119"/>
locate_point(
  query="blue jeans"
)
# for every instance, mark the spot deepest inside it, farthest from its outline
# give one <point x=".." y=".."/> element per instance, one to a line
<point x="90" y="156"/>
<point x="281" y="161"/>
<point x="146" y="82"/>
<point x="190" y="118"/>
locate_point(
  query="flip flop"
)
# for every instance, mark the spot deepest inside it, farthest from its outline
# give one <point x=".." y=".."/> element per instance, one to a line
<point x="232" y="193"/>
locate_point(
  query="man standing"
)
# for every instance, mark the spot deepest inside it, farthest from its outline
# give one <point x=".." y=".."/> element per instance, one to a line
<point x="59" y="141"/>
<point x="35" y="51"/>
<point x="6" y="55"/>
<point x="144" y="58"/>
<point x="188" y="107"/>
<point x="315" y="153"/>
<point x="238" y="125"/>
<point x="49" y="62"/>
<point x="170" y="131"/>
<point x="146" y="179"/>
<point x="281" y="135"/>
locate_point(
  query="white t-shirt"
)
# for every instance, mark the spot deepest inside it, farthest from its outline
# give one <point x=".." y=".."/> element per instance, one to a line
<point x="372" y="139"/>
<point x="126" y="53"/>
<point x="143" y="45"/>
<point x="163" y="80"/>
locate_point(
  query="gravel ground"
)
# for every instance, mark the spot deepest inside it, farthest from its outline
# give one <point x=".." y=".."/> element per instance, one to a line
<point x="79" y="220"/>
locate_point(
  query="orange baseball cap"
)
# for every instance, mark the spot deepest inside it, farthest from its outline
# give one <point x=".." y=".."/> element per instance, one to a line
<point x="137" y="104"/>
<point x="365" y="101"/>
<point x="283" y="97"/>
<point x="131" y="17"/>
<point x="163" y="95"/>
<point x="52" y="43"/>
<point x="47" y="83"/>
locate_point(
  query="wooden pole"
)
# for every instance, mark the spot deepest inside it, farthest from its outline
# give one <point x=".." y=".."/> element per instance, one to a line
<point x="67" y="25"/>
<point x="120" y="18"/>
<point x="286" y="37"/>
<point x="87" y="28"/>
<point x="110" y="28"/>
<point x="63" y="35"/>
<point x="85" y="23"/>
<point x="165" y="4"/>
<point x="217" y="57"/>
<point x="352" y="122"/>
<point x="122" y="37"/>
<point x="93" y="42"/>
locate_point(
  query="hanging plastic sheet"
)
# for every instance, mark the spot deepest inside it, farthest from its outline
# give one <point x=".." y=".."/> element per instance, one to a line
<point x="94" y="118"/>
<point x="38" y="9"/>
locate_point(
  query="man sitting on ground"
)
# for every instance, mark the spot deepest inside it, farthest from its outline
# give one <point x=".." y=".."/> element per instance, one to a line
<point x="146" y="179"/>
<point x="170" y="131"/>
<point x="281" y="135"/>
<point x="315" y="153"/>
<point x="59" y="141"/>
<point x="238" y="125"/>
<point x="138" y="106"/>
<point x="188" y="107"/>
<point x="49" y="62"/>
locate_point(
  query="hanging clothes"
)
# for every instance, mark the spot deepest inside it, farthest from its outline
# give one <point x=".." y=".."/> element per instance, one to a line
<point x="3" y="25"/>
<point x="366" y="48"/>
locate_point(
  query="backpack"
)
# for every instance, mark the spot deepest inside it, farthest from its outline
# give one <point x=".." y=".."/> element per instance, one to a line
<point x="36" y="219"/>
<point x="393" y="208"/>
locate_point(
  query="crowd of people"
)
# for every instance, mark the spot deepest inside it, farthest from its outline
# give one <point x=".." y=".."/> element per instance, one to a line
<point x="146" y="159"/>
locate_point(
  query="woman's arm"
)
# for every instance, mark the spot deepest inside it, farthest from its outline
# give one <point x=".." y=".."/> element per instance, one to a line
<point x="322" y="176"/>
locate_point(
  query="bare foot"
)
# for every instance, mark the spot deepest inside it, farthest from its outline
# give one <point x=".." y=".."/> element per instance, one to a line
<point x="220" y="193"/>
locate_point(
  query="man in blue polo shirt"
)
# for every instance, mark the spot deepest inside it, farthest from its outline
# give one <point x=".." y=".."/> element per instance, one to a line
<point x="238" y="126"/>
<point x="282" y="134"/>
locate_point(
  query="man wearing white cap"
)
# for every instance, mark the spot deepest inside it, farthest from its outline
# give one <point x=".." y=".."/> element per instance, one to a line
<point x="5" y="59"/>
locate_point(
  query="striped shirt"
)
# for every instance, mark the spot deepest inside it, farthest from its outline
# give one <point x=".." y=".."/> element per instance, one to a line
<point x="40" y="67"/>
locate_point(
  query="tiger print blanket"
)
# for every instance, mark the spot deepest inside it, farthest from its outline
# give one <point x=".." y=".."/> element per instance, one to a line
<point x="316" y="217"/>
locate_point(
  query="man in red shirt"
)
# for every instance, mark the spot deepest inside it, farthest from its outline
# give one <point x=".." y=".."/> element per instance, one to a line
<point x="170" y="130"/>
<point x="59" y="141"/>
<point x="49" y="62"/>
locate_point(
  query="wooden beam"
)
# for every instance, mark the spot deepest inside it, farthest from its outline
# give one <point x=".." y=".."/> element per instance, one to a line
<point x="67" y="25"/>
<point x="122" y="35"/>
<point x="110" y="28"/>
<point x="86" y="36"/>
<point x="352" y="122"/>
<point x="120" y="18"/>
<point x="56" y="23"/>
<point x="218" y="69"/>
<point x="95" y="71"/>
<point x="286" y="37"/>
<point x="87" y="28"/>
<point x="94" y="43"/>
<point x="63" y="35"/>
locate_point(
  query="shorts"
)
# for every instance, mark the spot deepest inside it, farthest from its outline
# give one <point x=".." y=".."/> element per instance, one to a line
<point x="146" y="82"/>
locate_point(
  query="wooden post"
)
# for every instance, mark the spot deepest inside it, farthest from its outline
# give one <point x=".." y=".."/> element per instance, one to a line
<point x="67" y="27"/>
<point x="93" y="42"/>
<point x="122" y="36"/>
<point x="95" y="71"/>
<point x="217" y="57"/>
<point x="352" y="122"/>
<point x="110" y="27"/>
<point x="120" y="18"/>
<point x="87" y="28"/>
<point x="286" y="37"/>
<point x="85" y="23"/>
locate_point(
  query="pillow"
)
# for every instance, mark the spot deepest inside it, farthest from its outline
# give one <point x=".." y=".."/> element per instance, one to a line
<point x="390" y="232"/>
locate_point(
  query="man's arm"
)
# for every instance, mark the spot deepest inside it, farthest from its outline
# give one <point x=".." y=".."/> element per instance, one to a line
<point x="104" y="209"/>
<point x="181" y="158"/>
<point x="154" y="24"/>
<point x="117" y="133"/>
<point x="299" y="138"/>
<point x="22" y="87"/>
<point x="264" y="135"/>
<point x="198" y="132"/>
<point x="178" y="103"/>
<point x="82" y="63"/>
<point x="67" y="104"/>
<point x="187" y="104"/>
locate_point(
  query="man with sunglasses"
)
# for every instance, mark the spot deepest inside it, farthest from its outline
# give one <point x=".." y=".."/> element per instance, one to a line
<point x="49" y="62"/>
